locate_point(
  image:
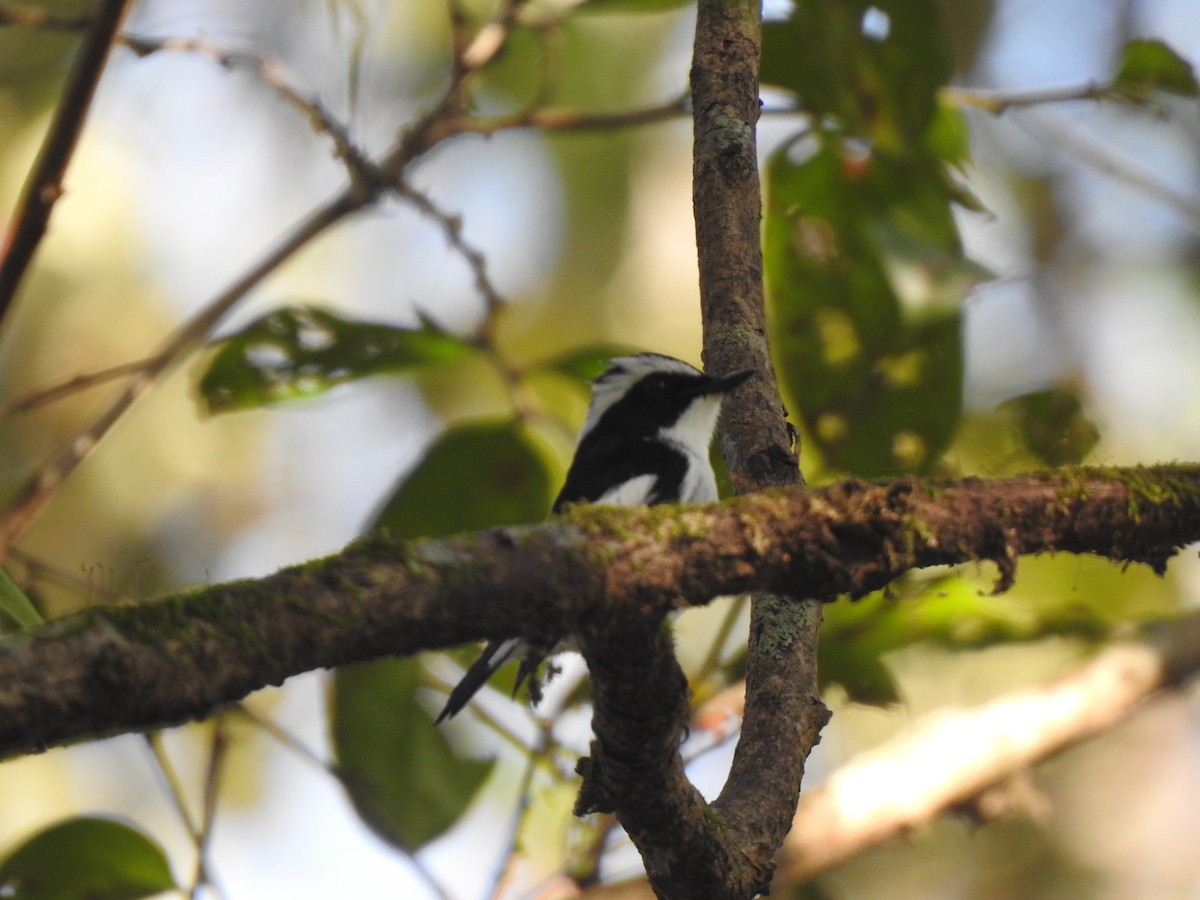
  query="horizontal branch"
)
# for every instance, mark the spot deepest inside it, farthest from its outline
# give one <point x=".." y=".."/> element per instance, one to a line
<point x="114" y="669"/>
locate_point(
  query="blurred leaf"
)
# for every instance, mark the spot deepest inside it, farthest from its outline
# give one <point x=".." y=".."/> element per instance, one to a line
<point x="97" y="859"/>
<point x="873" y="66"/>
<point x="16" y="605"/>
<point x="404" y="778"/>
<point x="402" y="775"/>
<point x="1053" y="597"/>
<point x="474" y="476"/>
<point x="949" y="137"/>
<point x="864" y="676"/>
<point x="1054" y="425"/>
<point x="863" y="259"/>
<point x="879" y="388"/>
<point x="1148" y="65"/>
<point x="300" y="351"/>
<point x="586" y="363"/>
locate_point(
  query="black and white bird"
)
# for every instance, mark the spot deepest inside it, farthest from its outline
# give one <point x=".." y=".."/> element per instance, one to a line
<point x="645" y="440"/>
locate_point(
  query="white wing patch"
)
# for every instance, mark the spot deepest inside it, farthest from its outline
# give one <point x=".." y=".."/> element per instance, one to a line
<point x="634" y="492"/>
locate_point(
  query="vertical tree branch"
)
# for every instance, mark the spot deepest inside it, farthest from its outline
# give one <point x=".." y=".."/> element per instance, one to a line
<point x="44" y="186"/>
<point x="784" y="714"/>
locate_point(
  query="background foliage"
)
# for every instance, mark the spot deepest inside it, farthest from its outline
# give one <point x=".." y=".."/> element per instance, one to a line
<point x="952" y="291"/>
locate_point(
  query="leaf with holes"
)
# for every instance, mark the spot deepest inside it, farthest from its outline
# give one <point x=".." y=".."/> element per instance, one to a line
<point x="301" y="351"/>
<point x="864" y="270"/>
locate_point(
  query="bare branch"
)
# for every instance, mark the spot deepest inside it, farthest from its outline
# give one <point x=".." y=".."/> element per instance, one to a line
<point x="452" y="228"/>
<point x="1001" y="101"/>
<point x="1090" y="149"/>
<point x="567" y="119"/>
<point x="71" y="386"/>
<point x="45" y="183"/>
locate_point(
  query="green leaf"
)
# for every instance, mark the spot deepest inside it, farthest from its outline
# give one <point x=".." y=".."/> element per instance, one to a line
<point x="879" y="84"/>
<point x="1054" y="426"/>
<point x="474" y="476"/>
<point x="403" y="776"/>
<point x="16" y="605"/>
<point x="1148" y="65"/>
<point x="1052" y="597"/>
<point x="301" y="351"/>
<point x="878" y="382"/>
<point x="585" y="364"/>
<point x="86" y="857"/>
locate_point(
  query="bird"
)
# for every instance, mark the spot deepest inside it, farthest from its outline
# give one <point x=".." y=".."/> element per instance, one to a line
<point x="645" y="440"/>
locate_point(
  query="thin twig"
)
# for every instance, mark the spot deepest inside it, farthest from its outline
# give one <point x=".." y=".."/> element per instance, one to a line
<point x="177" y="794"/>
<point x="1000" y="101"/>
<point x="288" y="740"/>
<point x="218" y="751"/>
<point x="174" y="785"/>
<point x="273" y="73"/>
<point x="443" y="120"/>
<point x="537" y="753"/>
<point x="34" y="493"/>
<point x="45" y="183"/>
<point x="566" y="119"/>
<point x="453" y="230"/>
<point x="1089" y="149"/>
<point x="37" y="570"/>
<point x="63" y="389"/>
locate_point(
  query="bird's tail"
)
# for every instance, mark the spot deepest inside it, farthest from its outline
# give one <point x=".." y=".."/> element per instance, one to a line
<point x="494" y="655"/>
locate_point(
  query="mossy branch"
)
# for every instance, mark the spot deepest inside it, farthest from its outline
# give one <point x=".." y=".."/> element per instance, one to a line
<point x="116" y="669"/>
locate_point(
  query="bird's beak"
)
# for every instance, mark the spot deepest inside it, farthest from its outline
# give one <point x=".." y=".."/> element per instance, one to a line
<point x="723" y="384"/>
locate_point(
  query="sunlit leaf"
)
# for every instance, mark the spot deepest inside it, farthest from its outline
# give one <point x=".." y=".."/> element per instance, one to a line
<point x="1149" y="65"/>
<point x="473" y="476"/>
<point x="16" y="605"/>
<point x="403" y="776"/>
<point x="97" y="859"/>
<point x="1052" y="597"/>
<point x="301" y="351"/>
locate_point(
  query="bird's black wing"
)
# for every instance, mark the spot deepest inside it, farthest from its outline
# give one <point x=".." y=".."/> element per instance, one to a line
<point x="600" y="465"/>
